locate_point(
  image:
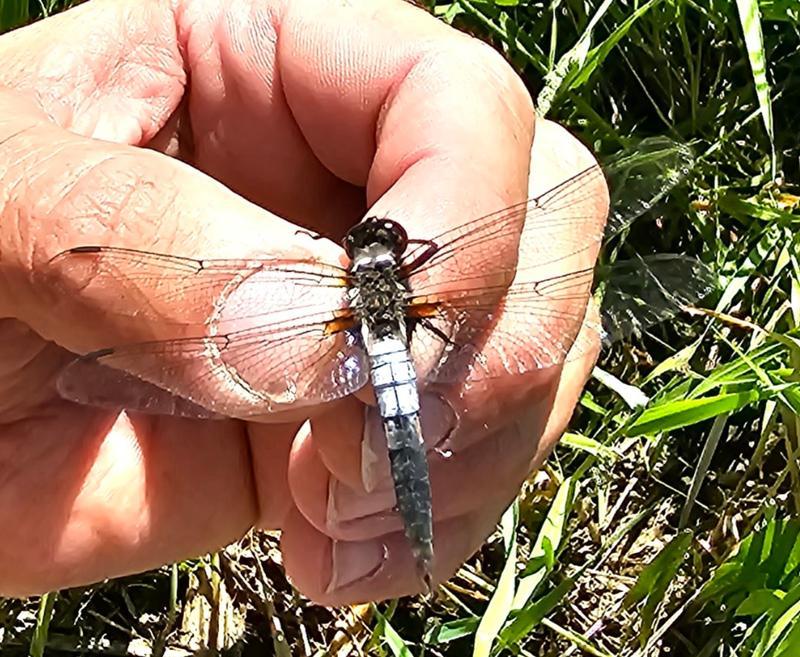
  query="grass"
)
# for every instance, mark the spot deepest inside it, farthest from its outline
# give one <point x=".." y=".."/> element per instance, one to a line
<point x="669" y="530"/>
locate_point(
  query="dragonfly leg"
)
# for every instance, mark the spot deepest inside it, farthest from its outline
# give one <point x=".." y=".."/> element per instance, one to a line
<point x="308" y="233"/>
<point x="409" y="267"/>
<point x="433" y="329"/>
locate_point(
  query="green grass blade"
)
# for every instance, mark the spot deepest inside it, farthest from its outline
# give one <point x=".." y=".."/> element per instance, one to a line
<point x="762" y="560"/>
<point x="745" y="209"/>
<point x="750" y="18"/>
<point x="42" y="629"/>
<point x="740" y="370"/>
<point x="450" y="631"/>
<point x="699" y="474"/>
<point x="576" y="639"/>
<point x="532" y="614"/>
<point x="499" y="606"/>
<point x="597" y="55"/>
<point x="652" y="583"/>
<point x="547" y="543"/>
<point x="780" y="10"/>
<point x="13" y="13"/>
<point x="386" y="633"/>
<point x="589" y="445"/>
<point x="683" y="413"/>
<point x="497" y="30"/>
<point x="785" y="635"/>
<point x="570" y="63"/>
<point x="784" y="632"/>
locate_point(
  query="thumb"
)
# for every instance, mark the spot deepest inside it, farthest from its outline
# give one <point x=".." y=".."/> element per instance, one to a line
<point x="59" y="191"/>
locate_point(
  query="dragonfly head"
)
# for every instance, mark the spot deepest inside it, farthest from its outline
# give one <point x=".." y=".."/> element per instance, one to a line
<point x="375" y="236"/>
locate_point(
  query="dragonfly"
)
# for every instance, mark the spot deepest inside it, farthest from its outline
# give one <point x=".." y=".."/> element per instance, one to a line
<point x="407" y="311"/>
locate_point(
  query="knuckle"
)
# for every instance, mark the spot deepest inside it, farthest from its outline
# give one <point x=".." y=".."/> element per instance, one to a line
<point x="489" y="64"/>
<point x="478" y="72"/>
<point x="114" y="192"/>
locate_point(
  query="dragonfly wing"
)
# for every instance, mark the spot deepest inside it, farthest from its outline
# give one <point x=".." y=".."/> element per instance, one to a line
<point x="488" y="315"/>
<point x="87" y="381"/>
<point x="535" y="326"/>
<point x="243" y="374"/>
<point x="165" y="293"/>
<point x="546" y="230"/>
<point x="645" y="291"/>
<point x="236" y="337"/>
<point x="641" y="177"/>
<point x="506" y="293"/>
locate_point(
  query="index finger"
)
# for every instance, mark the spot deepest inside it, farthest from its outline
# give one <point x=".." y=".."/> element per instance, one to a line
<point x="437" y="127"/>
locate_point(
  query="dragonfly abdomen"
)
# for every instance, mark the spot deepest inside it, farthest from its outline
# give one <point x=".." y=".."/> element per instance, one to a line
<point x="393" y="376"/>
<point x="412" y="488"/>
<point x="395" y="384"/>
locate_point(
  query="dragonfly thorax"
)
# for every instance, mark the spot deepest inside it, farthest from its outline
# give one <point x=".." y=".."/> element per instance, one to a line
<point x="378" y="297"/>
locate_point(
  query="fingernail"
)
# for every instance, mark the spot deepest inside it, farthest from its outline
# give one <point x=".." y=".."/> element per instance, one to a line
<point x="438" y="420"/>
<point x="354" y="561"/>
<point x="374" y="460"/>
<point x="346" y="505"/>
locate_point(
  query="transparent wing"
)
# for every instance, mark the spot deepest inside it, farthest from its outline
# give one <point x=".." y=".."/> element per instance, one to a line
<point x="165" y="288"/>
<point x="239" y="338"/>
<point x="245" y="374"/>
<point x="243" y="337"/>
<point x="87" y="381"/>
<point x="644" y="291"/>
<point x="641" y="177"/>
<point x="471" y="332"/>
<point x="460" y="284"/>
<point x="535" y="326"/>
<point x="538" y="324"/>
<point x="546" y="228"/>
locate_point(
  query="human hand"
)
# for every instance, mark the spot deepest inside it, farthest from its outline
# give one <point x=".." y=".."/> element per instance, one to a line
<point x="315" y="110"/>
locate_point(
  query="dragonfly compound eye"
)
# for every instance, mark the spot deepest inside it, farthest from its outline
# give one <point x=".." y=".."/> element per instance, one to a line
<point x="375" y="231"/>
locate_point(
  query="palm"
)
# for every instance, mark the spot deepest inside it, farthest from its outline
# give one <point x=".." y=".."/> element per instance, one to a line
<point x="83" y="477"/>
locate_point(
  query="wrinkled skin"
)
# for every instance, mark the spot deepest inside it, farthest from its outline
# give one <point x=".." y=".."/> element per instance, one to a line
<point x="117" y="119"/>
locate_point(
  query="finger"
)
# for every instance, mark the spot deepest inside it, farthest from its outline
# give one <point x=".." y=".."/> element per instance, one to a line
<point x="28" y="366"/>
<point x="352" y="443"/>
<point x="70" y="191"/>
<point x="116" y="503"/>
<point x="575" y="375"/>
<point x="270" y="448"/>
<point x="449" y="145"/>
<point x="337" y="573"/>
<point x="502" y="452"/>
<point x="361" y="563"/>
<point x="241" y="132"/>
<point x="497" y="461"/>
<point x="113" y="91"/>
<point x="375" y="117"/>
<point x="476" y="451"/>
<point x="428" y="160"/>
